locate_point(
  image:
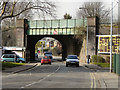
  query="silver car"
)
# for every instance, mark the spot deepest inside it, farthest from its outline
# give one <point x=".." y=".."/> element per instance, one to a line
<point x="72" y="60"/>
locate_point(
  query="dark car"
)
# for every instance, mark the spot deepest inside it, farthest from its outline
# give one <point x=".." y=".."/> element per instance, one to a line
<point x="48" y="54"/>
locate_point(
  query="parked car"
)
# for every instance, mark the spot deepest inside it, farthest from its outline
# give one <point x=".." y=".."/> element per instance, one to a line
<point x="46" y="60"/>
<point x="48" y="54"/>
<point x="72" y="60"/>
<point x="12" y="58"/>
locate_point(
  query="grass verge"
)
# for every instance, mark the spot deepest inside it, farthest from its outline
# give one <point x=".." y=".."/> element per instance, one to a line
<point x="10" y="64"/>
<point x="102" y="64"/>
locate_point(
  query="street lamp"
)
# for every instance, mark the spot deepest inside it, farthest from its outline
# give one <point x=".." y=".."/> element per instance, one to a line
<point x="0" y="39"/>
<point x="87" y="35"/>
<point x="111" y="38"/>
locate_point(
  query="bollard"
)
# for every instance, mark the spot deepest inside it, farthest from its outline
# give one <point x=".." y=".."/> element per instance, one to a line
<point x="118" y="64"/>
<point x="114" y="63"/>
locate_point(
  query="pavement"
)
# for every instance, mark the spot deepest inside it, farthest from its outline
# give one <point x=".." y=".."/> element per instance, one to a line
<point x="104" y="77"/>
<point x="20" y="68"/>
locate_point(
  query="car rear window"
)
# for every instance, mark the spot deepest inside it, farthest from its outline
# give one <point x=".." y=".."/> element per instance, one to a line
<point x="46" y="57"/>
<point x="48" y="53"/>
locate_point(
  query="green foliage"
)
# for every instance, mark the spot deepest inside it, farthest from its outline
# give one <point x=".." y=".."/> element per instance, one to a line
<point x="56" y="51"/>
<point x="81" y="33"/>
<point x="107" y="59"/>
<point x="98" y="59"/>
<point x="102" y="64"/>
<point x="11" y="64"/>
<point x="67" y="16"/>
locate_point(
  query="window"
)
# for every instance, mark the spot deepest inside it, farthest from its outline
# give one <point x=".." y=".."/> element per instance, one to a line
<point x="72" y="57"/>
<point x="11" y="56"/>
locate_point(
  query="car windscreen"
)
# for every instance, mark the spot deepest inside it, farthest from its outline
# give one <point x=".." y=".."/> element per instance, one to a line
<point x="72" y="57"/>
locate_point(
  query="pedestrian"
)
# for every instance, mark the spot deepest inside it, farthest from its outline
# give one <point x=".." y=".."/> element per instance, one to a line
<point x="88" y="59"/>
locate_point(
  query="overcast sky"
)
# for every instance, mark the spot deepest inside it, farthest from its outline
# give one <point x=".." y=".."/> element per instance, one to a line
<point x="71" y="7"/>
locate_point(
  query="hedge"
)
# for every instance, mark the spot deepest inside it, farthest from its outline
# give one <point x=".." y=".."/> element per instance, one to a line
<point x="96" y="58"/>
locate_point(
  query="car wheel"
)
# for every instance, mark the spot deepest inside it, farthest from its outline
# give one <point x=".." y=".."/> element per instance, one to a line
<point x="66" y="65"/>
<point x="77" y="65"/>
<point x="41" y="63"/>
<point x="50" y="63"/>
<point x="20" y="61"/>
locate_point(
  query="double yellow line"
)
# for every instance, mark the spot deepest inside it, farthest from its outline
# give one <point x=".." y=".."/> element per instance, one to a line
<point x="93" y="81"/>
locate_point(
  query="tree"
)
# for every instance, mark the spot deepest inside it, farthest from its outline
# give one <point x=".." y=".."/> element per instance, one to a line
<point x="90" y="9"/>
<point x="12" y="9"/>
<point x="67" y="16"/>
<point x="81" y="33"/>
<point x="16" y="8"/>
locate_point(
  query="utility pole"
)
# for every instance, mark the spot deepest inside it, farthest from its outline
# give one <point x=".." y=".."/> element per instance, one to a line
<point x="0" y="39"/>
<point x="111" y="38"/>
<point x="42" y="47"/>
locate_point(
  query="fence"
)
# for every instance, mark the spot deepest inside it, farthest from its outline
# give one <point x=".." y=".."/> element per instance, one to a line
<point x="116" y="64"/>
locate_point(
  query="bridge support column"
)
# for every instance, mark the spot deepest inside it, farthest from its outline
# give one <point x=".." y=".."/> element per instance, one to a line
<point x="20" y="32"/>
<point x="93" y="29"/>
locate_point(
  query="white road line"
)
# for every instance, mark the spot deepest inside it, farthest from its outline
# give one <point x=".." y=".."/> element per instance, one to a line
<point x="41" y="79"/>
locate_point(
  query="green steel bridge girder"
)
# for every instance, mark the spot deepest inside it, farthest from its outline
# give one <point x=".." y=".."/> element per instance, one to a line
<point x="55" y="27"/>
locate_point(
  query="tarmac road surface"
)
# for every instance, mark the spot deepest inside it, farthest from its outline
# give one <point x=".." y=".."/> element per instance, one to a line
<point x="56" y="75"/>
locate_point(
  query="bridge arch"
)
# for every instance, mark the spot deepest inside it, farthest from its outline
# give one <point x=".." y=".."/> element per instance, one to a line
<point x="69" y="44"/>
<point x="29" y="32"/>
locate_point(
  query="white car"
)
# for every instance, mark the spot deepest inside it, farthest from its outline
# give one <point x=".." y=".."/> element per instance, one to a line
<point x="72" y="60"/>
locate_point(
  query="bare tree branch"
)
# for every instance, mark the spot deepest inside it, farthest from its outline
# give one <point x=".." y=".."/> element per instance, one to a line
<point x="94" y="9"/>
<point x="14" y="9"/>
<point x="3" y="8"/>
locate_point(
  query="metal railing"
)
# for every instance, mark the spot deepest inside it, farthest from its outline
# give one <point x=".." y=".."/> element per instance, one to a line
<point x="55" y="27"/>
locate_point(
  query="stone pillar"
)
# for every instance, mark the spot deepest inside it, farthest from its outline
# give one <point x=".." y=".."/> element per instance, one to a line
<point x="92" y="41"/>
<point x="20" y="33"/>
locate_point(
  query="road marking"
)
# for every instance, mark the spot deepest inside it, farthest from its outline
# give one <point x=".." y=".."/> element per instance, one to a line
<point x="93" y="81"/>
<point x="41" y="79"/>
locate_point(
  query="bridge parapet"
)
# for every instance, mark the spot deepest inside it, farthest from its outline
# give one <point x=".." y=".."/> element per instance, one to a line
<point x="55" y="27"/>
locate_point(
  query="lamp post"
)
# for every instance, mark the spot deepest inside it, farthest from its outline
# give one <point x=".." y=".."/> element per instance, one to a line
<point x="0" y="39"/>
<point x="111" y="38"/>
<point x="87" y="35"/>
